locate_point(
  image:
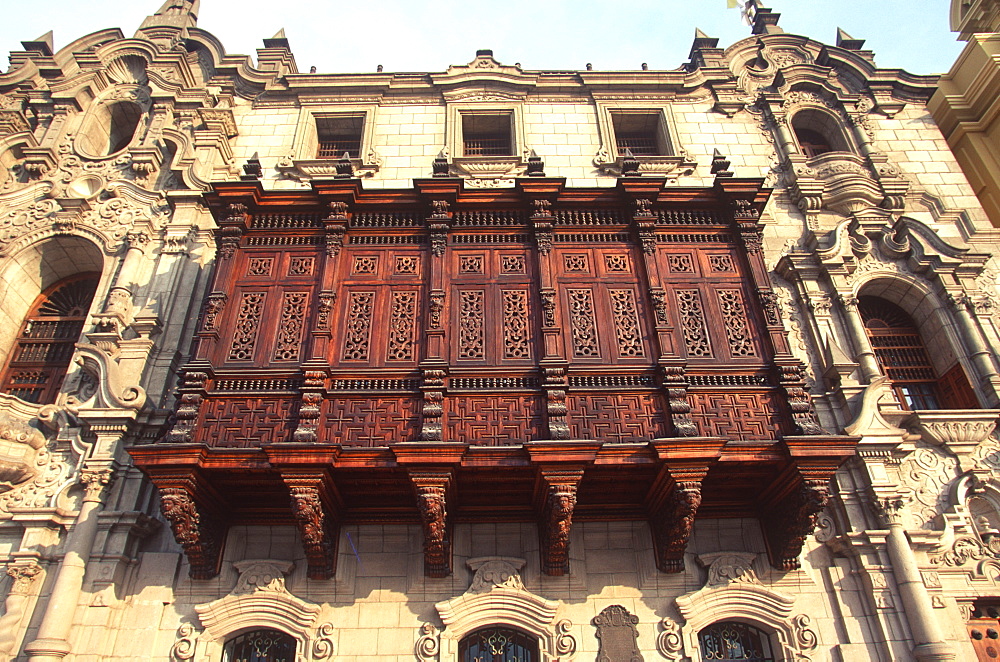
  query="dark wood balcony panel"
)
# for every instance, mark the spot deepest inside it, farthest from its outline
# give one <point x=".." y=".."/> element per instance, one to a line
<point x="246" y="421"/>
<point x="369" y="421"/>
<point x="738" y="413"/>
<point x="616" y="417"/>
<point x="494" y="419"/>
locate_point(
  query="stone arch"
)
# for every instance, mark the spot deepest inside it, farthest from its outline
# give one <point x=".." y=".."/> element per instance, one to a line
<point x="35" y="268"/>
<point x="753" y="604"/>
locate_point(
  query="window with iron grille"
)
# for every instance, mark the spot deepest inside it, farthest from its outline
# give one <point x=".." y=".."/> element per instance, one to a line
<point x="264" y="645"/>
<point x="641" y="132"/>
<point x="487" y="134"/>
<point x="340" y="134"/>
<point x="44" y="347"/>
<point x="730" y="641"/>
<point x="903" y="358"/>
<point x="498" y="644"/>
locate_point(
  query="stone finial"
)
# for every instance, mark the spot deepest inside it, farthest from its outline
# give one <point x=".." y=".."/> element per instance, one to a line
<point x="174" y="14"/>
<point x="252" y="169"/>
<point x="277" y="41"/>
<point x="763" y="20"/>
<point x="630" y="164"/>
<point x="590" y="67"/>
<point x="536" y="167"/>
<point x="312" y="69"/>
<point x="645" y="66"/>
<point x="344" y="167"/>
<point x="378" y="68"/>
<point x="720" y="164"/>
<point x="42" y="45"/>
<point x="848" y="42"/>
<point x="439" y="167"/>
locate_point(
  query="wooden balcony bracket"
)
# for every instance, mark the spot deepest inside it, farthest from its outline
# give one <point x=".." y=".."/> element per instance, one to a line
<point x="431" y="487"/>
<point x="674" y="498"/>
<point x="184" y="501"/>
<point x="314" y="506"/>
<point x="790" y="508"/>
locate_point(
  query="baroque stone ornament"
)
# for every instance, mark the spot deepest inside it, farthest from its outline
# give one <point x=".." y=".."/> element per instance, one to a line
<point x="322" y="647"/>
<point x="618" y="635"/>
<point x="315" y="523"/>
<point x="669" y="642"/>
<point x="491" y="572"/>
<point x="184" y="648"/>
<point x="428" y="644"/>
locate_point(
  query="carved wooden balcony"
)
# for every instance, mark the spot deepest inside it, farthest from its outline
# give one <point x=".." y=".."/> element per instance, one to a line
<point x="440" y="355"/>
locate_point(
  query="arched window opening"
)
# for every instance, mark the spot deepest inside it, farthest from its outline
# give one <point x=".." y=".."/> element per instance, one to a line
<point x="498" y="644"/>
<point x="818" y="133"/>
<point x="264" y="645"/>
<point x="903" y="358"/>
<point x="732" y="640"/>
<point x="44" y="346"/>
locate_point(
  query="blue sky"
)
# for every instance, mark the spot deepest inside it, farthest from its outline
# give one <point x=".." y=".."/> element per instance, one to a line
<point x="407" y="35"/>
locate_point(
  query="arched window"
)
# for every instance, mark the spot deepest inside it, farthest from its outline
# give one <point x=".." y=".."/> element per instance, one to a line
<point x="818" y="133"/>
<point x="901" y="355"/>
<point x="44" y="345"/>
<point x="498" y="644"/>
<point x="732" y="640"/>
<point x="264" y="645"/>
<point x="110" y="128"/>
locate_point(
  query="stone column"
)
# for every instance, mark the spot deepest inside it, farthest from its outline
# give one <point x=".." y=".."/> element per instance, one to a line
<point x="929" y="643"/>
<point x="979" y="351"/>
<point x="22" y="574"/>
<point x="864" y="354"/>
<point x="52" y="643"/>
<point x="120" y="297"/>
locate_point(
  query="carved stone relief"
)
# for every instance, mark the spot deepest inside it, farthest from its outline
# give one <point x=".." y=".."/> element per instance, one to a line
<point x="928" y="472"/>
<point x="618" y="635"/>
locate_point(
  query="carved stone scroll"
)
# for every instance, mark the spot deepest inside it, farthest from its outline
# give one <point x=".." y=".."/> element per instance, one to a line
<point x="618" y="635"/>
<point x="195" y="529"/>
<point x="558" y="502"/>
<point x="431" y="488"/>
<point x="311" y="501"/>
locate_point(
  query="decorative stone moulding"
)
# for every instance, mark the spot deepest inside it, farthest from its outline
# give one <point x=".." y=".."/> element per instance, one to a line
<point x="670" y="167"/>
<point x="489" y="167"/>
<point x="20" y="444"/>
<point x="303" y="170"/>
<point x="841" y="181"/>
<point x="261" y="600"/>
<point x="497" y="596"/>
<point x="958" y="430"/>
<point x="733" y="592"/>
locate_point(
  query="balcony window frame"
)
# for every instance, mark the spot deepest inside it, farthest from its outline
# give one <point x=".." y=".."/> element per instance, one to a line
<point x="484" y="167"/>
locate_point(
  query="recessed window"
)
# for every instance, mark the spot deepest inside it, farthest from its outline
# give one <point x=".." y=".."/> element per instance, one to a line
<point x="263" y="645"/>
<point x="48" y="335"/>
<point x="641" y="132"/>
<point x="902" y="356"/>
<point x="487" y="134"/>
<point x="818" y="133"/>
<point x="110" y="128"/>
<point x="339" y="134"/>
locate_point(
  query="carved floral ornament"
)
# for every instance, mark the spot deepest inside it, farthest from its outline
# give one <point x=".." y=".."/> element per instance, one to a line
<point x="495" y="596"/>
<point x="259" y="599"/>
<point x="30" y="478"/>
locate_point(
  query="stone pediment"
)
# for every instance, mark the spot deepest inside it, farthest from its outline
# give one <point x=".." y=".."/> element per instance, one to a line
<point x="482" y="71"/>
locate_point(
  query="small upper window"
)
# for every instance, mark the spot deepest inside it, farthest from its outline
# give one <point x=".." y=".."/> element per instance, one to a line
<point x="487" y="134"/>
<point x="339" y="134"/>
<point x="730" y="641"/>
<point x="265" y="645"/>
<point x="642" y="132"/>
<point x="110" y="128"/>
<point x="813" y="143"/>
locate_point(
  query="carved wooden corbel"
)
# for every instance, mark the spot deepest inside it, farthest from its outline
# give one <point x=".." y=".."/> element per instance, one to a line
<point x="788" y="523"/>
<point x="672" y="525"/>
<point x="558" y="501"/>
<point x="195" y="529"/>
<point x="312" y="498"/>
<point x="431" y="488"/>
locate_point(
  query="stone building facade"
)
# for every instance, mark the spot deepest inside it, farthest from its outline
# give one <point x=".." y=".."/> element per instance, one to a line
<point x="491" y="363"/>
<point x="964" y="104"/>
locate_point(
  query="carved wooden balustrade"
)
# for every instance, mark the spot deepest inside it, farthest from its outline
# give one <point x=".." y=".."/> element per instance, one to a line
<point x="529" y="354"/>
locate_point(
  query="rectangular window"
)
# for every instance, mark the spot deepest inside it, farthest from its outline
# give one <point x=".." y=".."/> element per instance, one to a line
<point x="337" y="134"/>
<point x="642" y="132"/>
<point x="486" y="134"/>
